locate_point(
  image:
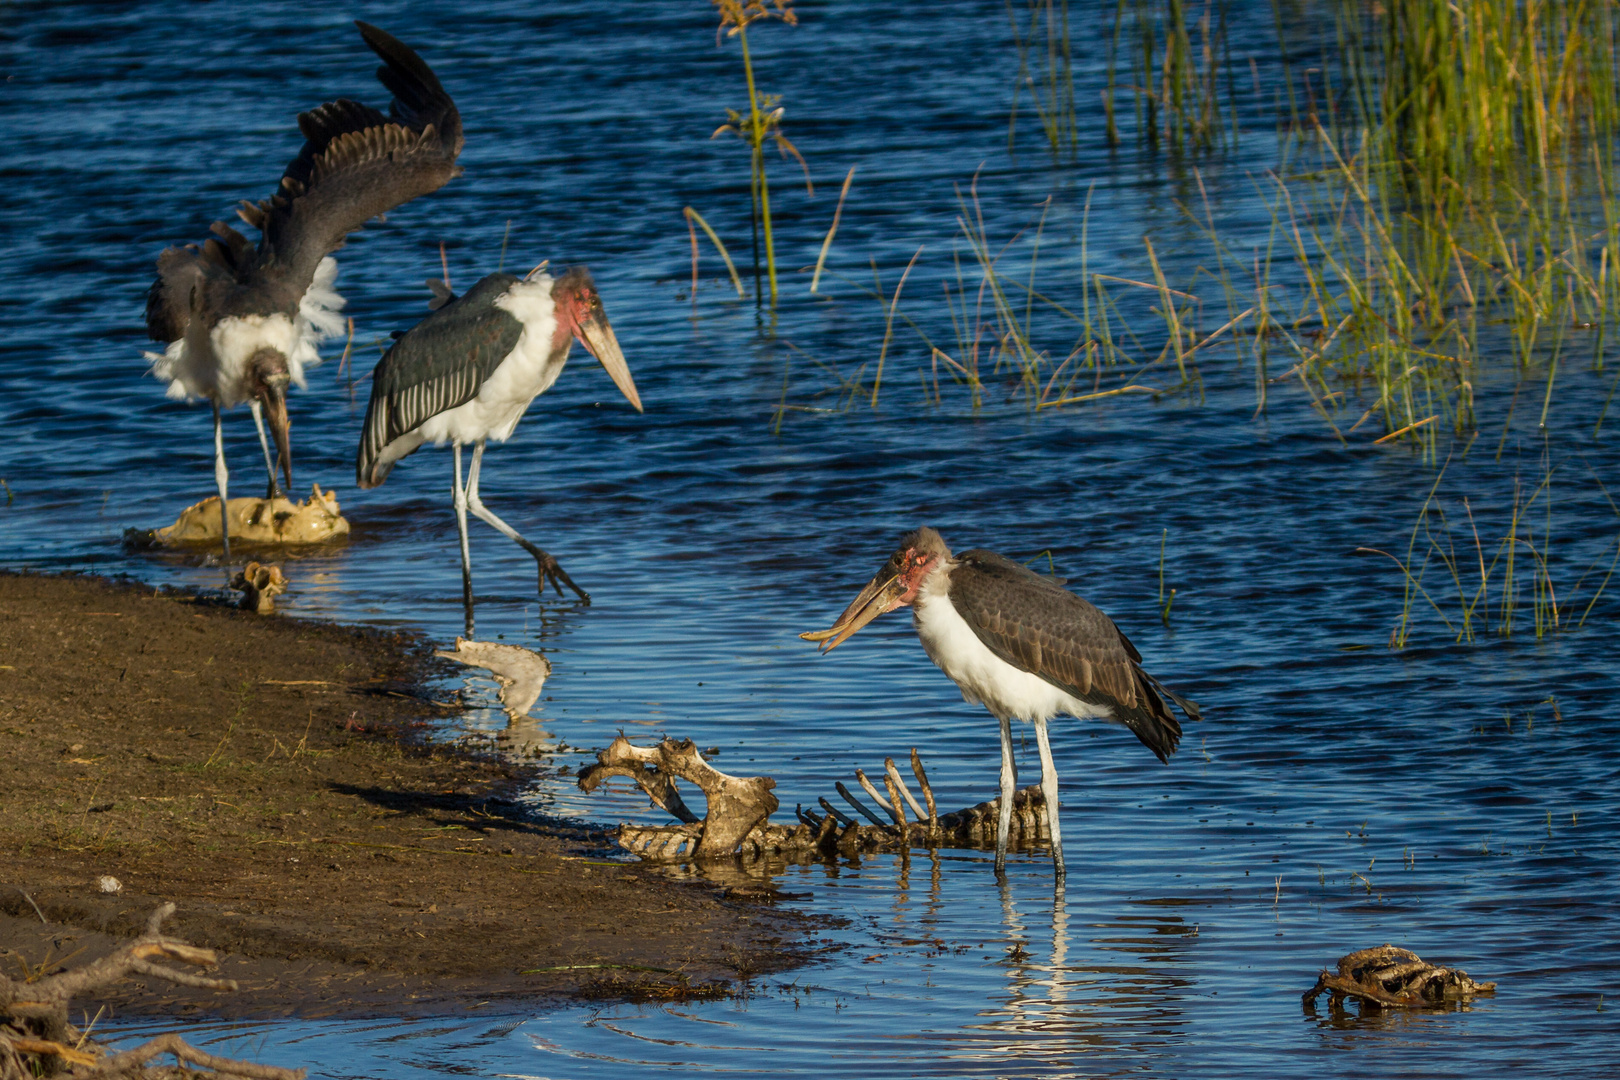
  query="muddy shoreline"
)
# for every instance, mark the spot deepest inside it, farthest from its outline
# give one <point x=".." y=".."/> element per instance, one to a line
<point x="272" y="778"/>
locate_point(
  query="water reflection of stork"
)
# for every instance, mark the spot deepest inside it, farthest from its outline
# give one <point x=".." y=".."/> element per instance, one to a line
<point x="468" y="372"/>
<point x="240" y="322"/>
<point x="1021" y="645"/>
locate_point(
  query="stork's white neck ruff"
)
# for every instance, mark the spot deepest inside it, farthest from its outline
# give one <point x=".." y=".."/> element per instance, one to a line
<point x="211" y="361"/>
<point x="984" y="678"/>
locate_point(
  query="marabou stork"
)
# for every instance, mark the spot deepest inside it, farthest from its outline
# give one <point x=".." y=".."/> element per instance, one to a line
<point x="468" y="372"/>
<point x="242" y="322"/>
<point x="1022" y="646"/>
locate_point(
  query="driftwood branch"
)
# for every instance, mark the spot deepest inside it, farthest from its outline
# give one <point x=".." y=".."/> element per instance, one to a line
<point x="135" y="957"/>
<point x="183" y="1051"/>
<point x="1386" y="975"/>
<point x="37" y="1040"/>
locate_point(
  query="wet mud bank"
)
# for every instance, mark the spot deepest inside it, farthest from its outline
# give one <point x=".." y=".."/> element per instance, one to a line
<point x="273" y="779"/>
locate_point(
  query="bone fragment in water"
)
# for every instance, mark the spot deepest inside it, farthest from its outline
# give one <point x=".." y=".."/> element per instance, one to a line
<point x="733" y="801"/>
<point x="737" y="805"/>
<point x="252" y="521"/>
<point x="521" y="673"/>
<point x="1387" y="975"/>
<point x="259" y="584"/>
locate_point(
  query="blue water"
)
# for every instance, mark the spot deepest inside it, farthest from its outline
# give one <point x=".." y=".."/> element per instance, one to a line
<point x="1457" y="799"/>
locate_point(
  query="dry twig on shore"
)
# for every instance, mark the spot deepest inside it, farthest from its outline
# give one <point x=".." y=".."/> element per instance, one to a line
<point x="37" y="1040"/>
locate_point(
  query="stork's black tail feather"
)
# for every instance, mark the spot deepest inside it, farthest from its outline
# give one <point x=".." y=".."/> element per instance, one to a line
<point x="1189" y="708"/>
<point x="1153" y="722"/>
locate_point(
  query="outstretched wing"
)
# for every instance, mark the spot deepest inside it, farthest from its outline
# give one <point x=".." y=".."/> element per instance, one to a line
<point x="438" y="364"/>
<point x="356" y="164"/>
<point x="1035" y="624"/>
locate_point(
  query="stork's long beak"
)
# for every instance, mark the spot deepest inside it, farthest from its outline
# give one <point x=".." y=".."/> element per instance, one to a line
<point x="882" y="594"/>
<point x="597" y="336"/>
<point x="275" y="411"/>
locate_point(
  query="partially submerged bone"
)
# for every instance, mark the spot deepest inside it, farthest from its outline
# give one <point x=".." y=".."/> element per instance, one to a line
<point x="739" y="809"/>
<point x="737" y="805"/>
<point x="259" y="584"/>
<point x="521" y="673"/>
<point x="1387" y="975"/>
<point x="253" y="521"/>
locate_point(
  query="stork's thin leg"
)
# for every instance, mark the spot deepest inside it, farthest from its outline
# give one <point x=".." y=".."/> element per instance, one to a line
<point x="1049" y="791"/>
<point x="264" y="443"/>
<point x="221" y="476"/>
<point x="458" y="495"/>
<point x="550" y="570"/>
<point x="1009" y="782"/>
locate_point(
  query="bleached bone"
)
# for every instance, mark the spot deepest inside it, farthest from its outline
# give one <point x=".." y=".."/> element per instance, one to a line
<point x="521" y="673"/>
<point x="733" y="801"/>
<point x="737" y="805"/>
<point x="259" y="584"/>
<point x="900" y="785"/>
<point x="859" y="806"/>
<point x="316" y="520"/>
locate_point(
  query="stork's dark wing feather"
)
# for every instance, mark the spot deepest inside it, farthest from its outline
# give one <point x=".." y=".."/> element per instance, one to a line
<point x="438" y="364"/>
<point x="356" y="163"/>
<point x="187" y="276"/>
<point x="1035" y="624"/>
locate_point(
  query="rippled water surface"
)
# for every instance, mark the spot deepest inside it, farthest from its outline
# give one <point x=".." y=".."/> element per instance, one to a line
<point x="1454" y="799"/>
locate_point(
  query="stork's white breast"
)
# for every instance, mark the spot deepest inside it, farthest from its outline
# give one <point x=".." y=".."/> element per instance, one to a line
<point x="984" y="677"/>
<point x="211" y="361"/>
<point x="526" y="372"/>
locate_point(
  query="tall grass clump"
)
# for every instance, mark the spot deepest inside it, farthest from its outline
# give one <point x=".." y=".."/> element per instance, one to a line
<point x="1498" y="582"/>
<point x="1173" y="59"/>
<point x="1495" y="84"/>
<point x="1045" y="69"/>
<point x="1450" y="202"/>
<point x="1445" y="198"/>
<point x="759" y="123"/>
<point x="1007" y="327"/>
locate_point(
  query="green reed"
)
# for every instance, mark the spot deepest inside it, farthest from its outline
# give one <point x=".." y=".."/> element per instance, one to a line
<point x="760" y="123"/>
<point x="1045" y="68"/>
<point x="1517" y="566"/>
<point x="1175" y="64"/>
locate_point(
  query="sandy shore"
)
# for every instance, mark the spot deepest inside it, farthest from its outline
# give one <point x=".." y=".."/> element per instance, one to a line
<point x="269" y="776"/>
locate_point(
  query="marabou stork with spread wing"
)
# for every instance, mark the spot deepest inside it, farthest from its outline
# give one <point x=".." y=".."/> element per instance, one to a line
<point x="468" y="372"/>
<point x="242" y="322"/>
<point x="1022" y="646"/>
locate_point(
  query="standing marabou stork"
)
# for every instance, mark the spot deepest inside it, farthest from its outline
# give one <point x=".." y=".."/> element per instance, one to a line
<point x="242" y="322"/>
<point x="468" y="372"/>
<point x="1022" y="646"/>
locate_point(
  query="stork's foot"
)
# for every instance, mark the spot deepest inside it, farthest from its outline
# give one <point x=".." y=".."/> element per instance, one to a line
<point x="551" y="571"/>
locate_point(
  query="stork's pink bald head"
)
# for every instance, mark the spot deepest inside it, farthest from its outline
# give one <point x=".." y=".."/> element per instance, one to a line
<point x="894" y="586"/>
<point x="580" y="314"/>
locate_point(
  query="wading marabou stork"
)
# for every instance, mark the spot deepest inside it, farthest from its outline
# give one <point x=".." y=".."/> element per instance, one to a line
<point x="1022" y="646"/>
<point x="468" y="372"/>
<point x="241" y="322"/>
